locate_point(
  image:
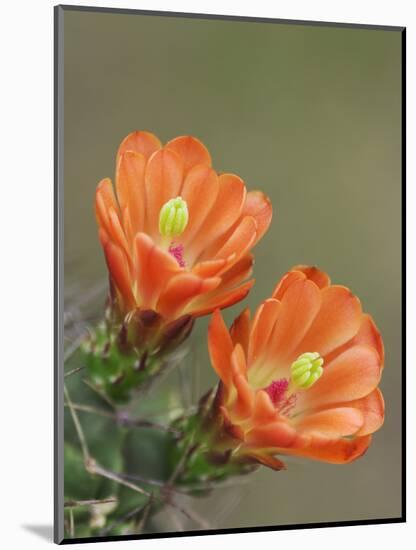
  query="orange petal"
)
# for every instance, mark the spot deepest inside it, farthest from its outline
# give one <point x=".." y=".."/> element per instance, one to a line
<point x="141" y="142"/>
<point x="200" y="190"/>
<point x="116" y="231"/>
<point x="208" y="268"/>
<point x="336" y="422"/>
<point x="237" y="272"/>
<point x="191" y="150"/>
<point x="241" y="240"/>
<point x="105" y="190"/>
<point x="104" y="200"/>
<point x="155" y="268"/>
<point x="299" y="306"/>
<point x="103" y="236"/>
<point x="261" y="329"/>
<point x="227" y="293"/>
<point x="259" y="206"/>
<point x="108" y="214"/>
<point x="220" y="347"/>
<point x="273" y="434"/>
<point x="337" y="321"/>
<point x="367" y="335"/>
<point x="225" y="211"/>
<point x="118" y="267"/>
<point x="372" y="409"/>
<point x="130" y="188"/>
<point x="264" y="411"/>
<point x="285" y="282"/>
<point x="266" y="460"/>
<point x="163" y="181"/>
<point x="243" y="405"/>
<point x="128" y="229"/>
<point x="238" y="361"/>
<point x="240" y="330"/>
<point x="181" y="290"/>
<point x="351" y="375"/>
<point x="221" y="300"/>
<point x="338" y="451"/>
<point x="320" y="278"/>
<point x="256" y="206"/>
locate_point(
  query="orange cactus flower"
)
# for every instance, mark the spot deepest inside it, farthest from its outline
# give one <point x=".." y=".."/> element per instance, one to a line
<point x="176" y="234"/>
<point x="301" y="377"/>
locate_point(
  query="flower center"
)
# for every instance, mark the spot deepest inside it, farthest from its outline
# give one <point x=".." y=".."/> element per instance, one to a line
<point x="177" y="250"/>
<point x="304" y="372"/>
<point x="277" y="390"/>
<point x="280" y="395"/>
<point x="173" y="217"/>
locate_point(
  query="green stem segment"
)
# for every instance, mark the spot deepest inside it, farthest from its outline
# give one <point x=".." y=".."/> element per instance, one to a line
<point x="123" y="357"/>
<point x="206" y="451"/>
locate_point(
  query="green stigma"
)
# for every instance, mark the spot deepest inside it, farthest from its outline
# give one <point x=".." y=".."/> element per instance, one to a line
<point x="306" y="370"/>
<point x="173" y="217"/>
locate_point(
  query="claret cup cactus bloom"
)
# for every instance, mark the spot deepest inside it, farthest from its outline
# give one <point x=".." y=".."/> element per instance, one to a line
<point x="176" y="234"/>
<point x="298" y="378"/>
<point x="301" y="378"/>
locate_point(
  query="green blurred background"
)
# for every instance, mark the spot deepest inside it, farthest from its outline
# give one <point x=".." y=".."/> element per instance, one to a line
<point x="312" y="116"/>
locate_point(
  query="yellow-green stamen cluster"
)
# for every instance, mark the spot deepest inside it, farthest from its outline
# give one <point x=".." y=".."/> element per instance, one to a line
<point x="306" y="370"/>
<point x="173" y="217"/>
